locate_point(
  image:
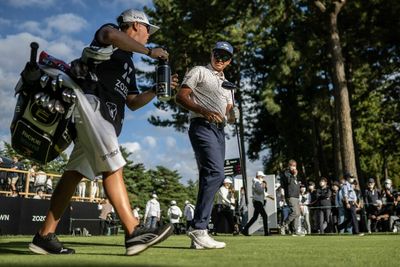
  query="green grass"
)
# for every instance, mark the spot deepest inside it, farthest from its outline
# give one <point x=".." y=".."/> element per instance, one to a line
<point x="346" y="250"/>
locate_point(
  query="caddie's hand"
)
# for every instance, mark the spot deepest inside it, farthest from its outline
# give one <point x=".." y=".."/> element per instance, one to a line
<point x="174" y="81"/>
<point x="212" y="116"/>
<point x="159" y="53"/>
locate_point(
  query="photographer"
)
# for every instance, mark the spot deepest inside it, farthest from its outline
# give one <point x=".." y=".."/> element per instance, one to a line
<point x="292" y="192"/>
<point x="259" y="188"/>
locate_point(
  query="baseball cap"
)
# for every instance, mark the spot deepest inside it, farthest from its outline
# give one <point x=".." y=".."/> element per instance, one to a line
<point x="187" y="202"/>
<point x="388" y="181"/>
<point x="260" y="173"/>
<point x="224" y="46"/>
<point x="154" y="196"/>
<point x="173" y="202"/>
<point x="227" y="181"/>
<point x="132" y="15"/>
<point x="371" y="180"/>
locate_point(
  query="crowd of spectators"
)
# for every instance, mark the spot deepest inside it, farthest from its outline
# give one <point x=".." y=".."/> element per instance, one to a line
<point x="342" y="207"/>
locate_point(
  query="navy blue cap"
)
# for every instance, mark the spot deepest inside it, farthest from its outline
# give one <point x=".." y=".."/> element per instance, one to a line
<point x="224" y="46"/>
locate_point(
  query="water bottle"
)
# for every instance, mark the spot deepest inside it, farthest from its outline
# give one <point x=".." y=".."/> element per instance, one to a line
<point x="163" y="80"/>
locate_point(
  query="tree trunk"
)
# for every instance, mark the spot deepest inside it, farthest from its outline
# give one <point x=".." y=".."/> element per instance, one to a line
<point x="341" y="93"/>
<point x="337" y="157"/>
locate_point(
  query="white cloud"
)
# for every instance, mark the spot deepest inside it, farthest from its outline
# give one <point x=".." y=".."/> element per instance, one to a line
<point x="170" y="141"/>
<point x="150" y="141"/>
<point x="31" y="3"/>
<point x="53" y="26"/>
<point x="5" y="22"/>
<point x="132" y="147"/>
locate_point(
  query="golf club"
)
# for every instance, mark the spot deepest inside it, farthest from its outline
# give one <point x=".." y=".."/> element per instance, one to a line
<point x="231" y="86"/>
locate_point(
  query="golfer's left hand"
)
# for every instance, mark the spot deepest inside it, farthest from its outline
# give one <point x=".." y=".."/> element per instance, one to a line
<point x="174" y="81"/>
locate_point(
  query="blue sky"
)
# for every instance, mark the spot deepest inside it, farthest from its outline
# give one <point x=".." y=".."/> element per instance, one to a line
<point x="63" y="28"/>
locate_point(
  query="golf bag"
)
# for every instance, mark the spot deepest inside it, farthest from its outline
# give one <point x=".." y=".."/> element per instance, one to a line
<point x="41" y="128"/>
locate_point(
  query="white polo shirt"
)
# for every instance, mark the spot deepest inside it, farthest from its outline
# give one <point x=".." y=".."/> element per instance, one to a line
<point x="207" y="91"/>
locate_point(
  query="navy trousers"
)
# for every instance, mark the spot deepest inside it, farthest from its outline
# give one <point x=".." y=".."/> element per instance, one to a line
<point x="208" y="142"/>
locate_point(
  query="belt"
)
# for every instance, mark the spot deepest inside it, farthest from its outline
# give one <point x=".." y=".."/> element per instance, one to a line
<point x="203" y="121"/>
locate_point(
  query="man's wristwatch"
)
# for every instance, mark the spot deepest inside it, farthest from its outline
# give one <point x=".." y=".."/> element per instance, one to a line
<point x="149" y="52"/>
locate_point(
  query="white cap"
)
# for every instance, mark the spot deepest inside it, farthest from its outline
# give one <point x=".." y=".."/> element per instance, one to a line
<point x="154" y="196"/>
<point x="388" y="181"/>
<point x="227" y="181"/>
<point x="132" y="15"/>
<point x="260" y="173"/>
<point x="187" y="202"/>
<point x="173" y="202"/>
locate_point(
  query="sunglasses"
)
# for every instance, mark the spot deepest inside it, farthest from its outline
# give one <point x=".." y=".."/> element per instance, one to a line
<point x="221" y="55"/>
<point x="147" y="26"/>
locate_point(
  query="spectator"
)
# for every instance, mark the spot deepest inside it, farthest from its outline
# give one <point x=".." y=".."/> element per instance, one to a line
<point x="82" y="189"/>
<point x="291" y="185"/>
<point x="395" y="216"/>
<point x="224" y="216"/>
<point x="3" y="176"/>
<point x="324" y="203"/>
<point x="371" y="196"/>
<point x="387" y="193"/>
<point x="174" y="214"/>
<point x="188" y="212"/>
<point x="13" y="176"/>
<point x="39" y="195"/>
<point x="282" y="207"/>
<point x="106" y="211"/>
<point x="49" y="185"/>
<point x="335" y="212"/>
<point x="94" y="187"/>
<point x="40" y="181"/>
<point x="350" y="205"/>
<point x="379" y="217"/>
<point x="243" y="211"/>
<point x="259" y="187"/>
<point x="304" y="199"/>
<point x="340" y="203"/>
<point x="153" y="213"/>
<point x="32" y="176"/>
<point x="313" y="207"/>
<point x="135" y="212"/>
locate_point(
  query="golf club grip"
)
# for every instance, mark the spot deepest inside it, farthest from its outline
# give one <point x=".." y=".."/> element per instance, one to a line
<point x="34" y="49"/>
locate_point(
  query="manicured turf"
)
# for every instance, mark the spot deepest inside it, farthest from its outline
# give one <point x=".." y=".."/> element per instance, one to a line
<point x="346" y="250"/>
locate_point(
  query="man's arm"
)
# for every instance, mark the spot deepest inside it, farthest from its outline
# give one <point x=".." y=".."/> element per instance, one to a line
<point x="112" y="36"/>
<point x="135" y="102"/>
<point x="183" y="99"/>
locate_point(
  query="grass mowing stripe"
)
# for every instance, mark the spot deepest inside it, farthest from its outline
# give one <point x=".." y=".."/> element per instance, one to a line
<point x="346" y="250"/>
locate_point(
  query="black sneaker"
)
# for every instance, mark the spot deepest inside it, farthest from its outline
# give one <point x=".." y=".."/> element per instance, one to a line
<point x="48" y="244"/>
<point x="143" y="238"/>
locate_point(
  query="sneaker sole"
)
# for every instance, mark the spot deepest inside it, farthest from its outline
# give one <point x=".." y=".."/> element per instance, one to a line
<point x="140" y="248"/>
<point x="37" y="250"/>
<point x="193" y="237"/>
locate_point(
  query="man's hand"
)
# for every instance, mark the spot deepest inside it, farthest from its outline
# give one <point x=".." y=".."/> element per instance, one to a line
<point x="234" y="115"/>
<point x="212" y="116"/>
<point x="159" y="53"/>
<point x="174" y="81"/>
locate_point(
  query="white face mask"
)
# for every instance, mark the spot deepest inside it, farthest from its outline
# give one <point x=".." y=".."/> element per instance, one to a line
<point x="388" y="186"/>
<point x="302" y="190"/>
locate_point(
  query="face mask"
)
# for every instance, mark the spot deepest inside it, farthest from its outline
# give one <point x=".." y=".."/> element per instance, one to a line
<point x="322" y="184"/>
<point x="302" y="190"/>
<point x="371" y="186"/>
<point x="292" y="168"/>
<point x="388" y="186"/>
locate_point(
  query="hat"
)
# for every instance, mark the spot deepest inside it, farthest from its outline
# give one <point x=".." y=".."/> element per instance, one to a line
<point x="154" y="196"/>
<point x="371" y="180"/>
<point x="173" y="202"/>
<point x="224" y="46"/>
<point x="227" y="181"/>
<point x="260" y="173"/>
<point x="187" y="202"/>
<point x="132" y="15"/>
<point x="388" y="181"/>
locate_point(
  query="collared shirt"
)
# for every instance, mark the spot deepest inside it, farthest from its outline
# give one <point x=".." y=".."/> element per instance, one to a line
<point x="207" y="91"/>
<point x="258" y="190"/>
<point x="348" y="192"/>
<point x="223" y="197"/>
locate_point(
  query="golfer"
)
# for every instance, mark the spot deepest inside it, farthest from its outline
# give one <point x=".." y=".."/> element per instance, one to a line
<point x="210" y="108"/>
